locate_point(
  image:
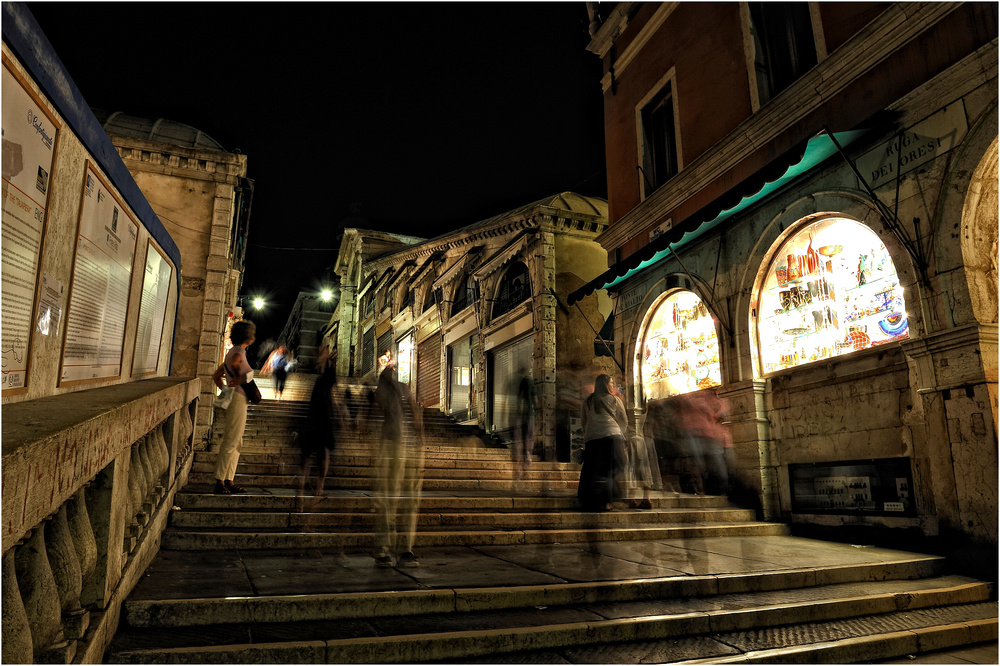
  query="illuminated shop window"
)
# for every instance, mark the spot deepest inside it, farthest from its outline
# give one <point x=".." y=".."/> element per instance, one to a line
<point x="831" y="289"/>
<point x="680" y="352"/>
<point x="404" y="359"/>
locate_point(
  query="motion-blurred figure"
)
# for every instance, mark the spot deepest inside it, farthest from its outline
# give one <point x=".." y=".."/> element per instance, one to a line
<point x="663" y="427"/>
<point x="605" y="426"/>
<point x="399" y="469"/>
<point x="707" y="441"/>
<point x="324" y="421"/>
<point x="524" y="424"/>
<point x="278" y="365"/>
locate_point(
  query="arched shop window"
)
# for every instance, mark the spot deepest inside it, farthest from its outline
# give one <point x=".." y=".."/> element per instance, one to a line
<point x="831" y="289"/>
<point x="680" y="350"/>
<point x="514" y="289"/>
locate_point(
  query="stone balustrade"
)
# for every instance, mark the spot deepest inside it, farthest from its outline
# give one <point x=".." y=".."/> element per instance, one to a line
<point x="88" y="481"/>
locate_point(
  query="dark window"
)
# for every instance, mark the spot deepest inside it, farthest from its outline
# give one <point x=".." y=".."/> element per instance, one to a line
<point x="369" y="303"/>
<point x="783" y="45"/>
<point x="428" y="300"/>
<point x="465" y="293"/>
<point x="659" y="149"/>
<point x="514" y="289"/>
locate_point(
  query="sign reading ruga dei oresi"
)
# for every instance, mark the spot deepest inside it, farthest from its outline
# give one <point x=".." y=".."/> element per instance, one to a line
<point x="918" y="145"/>
<point x="29" y="143"/>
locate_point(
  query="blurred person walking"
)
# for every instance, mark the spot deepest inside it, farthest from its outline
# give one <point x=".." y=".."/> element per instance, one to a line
<point x="708" y="441"/>
<point x="524" y="422"/>
<point x="277" y="365"/>
<point x="605" y="427"/>
<point x="237" y="371"/>
<point x="325" y="419"/>
<point x="399" y="469"/>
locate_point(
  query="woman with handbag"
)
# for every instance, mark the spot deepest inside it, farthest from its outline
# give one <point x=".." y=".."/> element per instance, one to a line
<point x="237" y="371"/>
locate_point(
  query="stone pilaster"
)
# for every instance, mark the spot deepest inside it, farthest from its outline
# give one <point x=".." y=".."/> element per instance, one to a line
<point x="544" y="282"/>
<point x="754" y="469"/>
<point x="953" y="375"/>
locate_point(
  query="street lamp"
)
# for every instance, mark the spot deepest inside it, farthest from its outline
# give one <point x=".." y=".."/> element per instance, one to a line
<point x="258" y="303"/>
<point x="326" y="295"/>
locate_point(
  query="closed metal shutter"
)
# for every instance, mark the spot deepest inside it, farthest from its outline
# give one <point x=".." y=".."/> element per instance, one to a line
<point x="368" y="351"/>
<point x="385" y="342"/>
<point x="510" y="364"/>
<point x="429" y="371"/>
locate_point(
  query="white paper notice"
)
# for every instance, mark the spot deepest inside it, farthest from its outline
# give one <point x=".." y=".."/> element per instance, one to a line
<point x="155" y="289"/>
<point x="95" y="326"/>
<point x="29" y="138"/>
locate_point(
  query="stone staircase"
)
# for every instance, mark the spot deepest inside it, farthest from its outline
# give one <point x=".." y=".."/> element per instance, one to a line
<point x="512" y="572"/>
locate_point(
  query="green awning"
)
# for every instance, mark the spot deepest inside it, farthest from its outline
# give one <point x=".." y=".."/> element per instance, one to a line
<point x="797" y="162"/>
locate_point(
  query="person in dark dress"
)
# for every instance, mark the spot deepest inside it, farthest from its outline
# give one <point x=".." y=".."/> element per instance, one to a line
<point x="323" y="421"/>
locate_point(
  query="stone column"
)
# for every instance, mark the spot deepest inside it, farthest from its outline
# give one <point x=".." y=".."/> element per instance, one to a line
<point x="348" y="328"/>
<point x="544" y="308"/>
<point x="753" y="475"/>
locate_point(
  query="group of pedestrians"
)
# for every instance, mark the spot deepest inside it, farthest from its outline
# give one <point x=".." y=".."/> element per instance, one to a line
<point x="683" y="445"/>
<point x="399" y="449"/>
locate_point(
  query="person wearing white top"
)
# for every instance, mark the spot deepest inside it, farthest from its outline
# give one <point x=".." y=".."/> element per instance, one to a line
<point x="605" y="427"/>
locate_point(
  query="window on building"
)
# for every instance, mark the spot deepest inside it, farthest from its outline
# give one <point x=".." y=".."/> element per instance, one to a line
<point x="428" y="299"/>
<point x="831" y="289"/>
<point x="659" y="141"/>
<point x="460" y="371"/>
<point x="369" y="306"/>
<point x="514" y="289"/>
<point x="783" y="45"/>
<point x="465" y="294"/>
<point x="679" y="352"/>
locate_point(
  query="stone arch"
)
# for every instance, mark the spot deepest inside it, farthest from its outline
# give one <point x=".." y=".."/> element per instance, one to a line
<point x="979" y="236"/>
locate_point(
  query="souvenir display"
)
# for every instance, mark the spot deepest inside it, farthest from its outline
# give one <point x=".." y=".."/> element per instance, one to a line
<point x="831" y="290"/>
<point x="681" y="350"/>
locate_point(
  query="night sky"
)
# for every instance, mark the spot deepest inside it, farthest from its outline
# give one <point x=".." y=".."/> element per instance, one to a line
<point x="430" y="116"/>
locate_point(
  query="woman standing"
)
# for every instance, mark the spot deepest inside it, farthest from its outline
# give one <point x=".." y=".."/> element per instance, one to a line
<point x="605" y="426"/>
<point x="236" y="370"/>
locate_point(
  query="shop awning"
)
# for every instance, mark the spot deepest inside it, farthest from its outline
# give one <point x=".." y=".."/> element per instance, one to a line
<point x="793" y="164"/>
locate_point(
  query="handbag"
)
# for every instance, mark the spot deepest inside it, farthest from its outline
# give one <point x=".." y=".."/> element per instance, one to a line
<point x="249" y="388"/>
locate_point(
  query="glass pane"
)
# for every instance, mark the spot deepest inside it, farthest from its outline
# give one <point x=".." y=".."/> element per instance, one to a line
<point x="681" y="350"/>
<point x="831" y="289"/>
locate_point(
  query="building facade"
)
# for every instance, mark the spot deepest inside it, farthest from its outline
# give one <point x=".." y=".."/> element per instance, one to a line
<point x="203" y="196"/>
<point x="469" y="313"/>
<point x="803" y="217"/>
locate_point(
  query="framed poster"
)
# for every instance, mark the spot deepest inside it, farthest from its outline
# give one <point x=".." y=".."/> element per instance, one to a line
<point x="30" y="133"/>
<point x="102" y="277"/>
<point x="152" y="311"/>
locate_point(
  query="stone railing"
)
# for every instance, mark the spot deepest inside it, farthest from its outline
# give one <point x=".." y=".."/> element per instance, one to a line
<point x="88" y="481"/>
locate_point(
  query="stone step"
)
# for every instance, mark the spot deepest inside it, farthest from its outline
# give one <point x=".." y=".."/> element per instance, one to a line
<point x="585" y="632"/>
<point x="178" y="539"/>
<point x="253" y="453"/>
<point x="192" y="610"/>
<point x="193" y="501"/>
<point x="260" y="482"/>
<point x="363" y="457"/>
<point x="432" y="469"/>
<point x="328" y="521"/>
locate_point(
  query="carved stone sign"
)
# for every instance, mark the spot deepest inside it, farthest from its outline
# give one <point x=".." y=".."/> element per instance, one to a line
<point x="918" y="145"/>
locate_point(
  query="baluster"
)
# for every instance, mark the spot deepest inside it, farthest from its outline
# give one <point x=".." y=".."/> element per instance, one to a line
<point x="83" y="534"/>
<point x="16" y="644"/>
<point x="66" y="572"/>
<point x="163" y="453"/>
<point x="149" y="497"/>
<point x="39" y="594"/>
<point x="136" y="472"/>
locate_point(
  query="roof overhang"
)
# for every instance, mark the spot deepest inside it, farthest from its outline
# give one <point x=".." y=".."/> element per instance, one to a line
<point x="780" y="173"/>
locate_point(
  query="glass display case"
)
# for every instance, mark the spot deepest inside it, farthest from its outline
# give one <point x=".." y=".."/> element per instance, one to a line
<point x="879" y="486"/>
<point x="831" y="289"/>
<point x="680" y="352"/>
